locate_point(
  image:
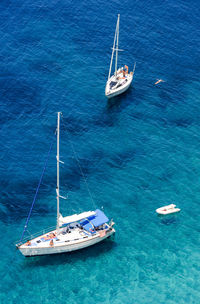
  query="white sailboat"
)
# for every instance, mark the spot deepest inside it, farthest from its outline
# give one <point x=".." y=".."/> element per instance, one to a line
<point x="72" y="232"/>
<point x="121" y="80"/>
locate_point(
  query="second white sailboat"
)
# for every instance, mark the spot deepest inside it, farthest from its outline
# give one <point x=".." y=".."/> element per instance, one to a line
<point x="121" y="80"/>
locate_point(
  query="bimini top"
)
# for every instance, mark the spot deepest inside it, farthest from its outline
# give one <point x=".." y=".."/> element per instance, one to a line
<point x="75" y="217"/>
<point x="99" y="219"/>
<point x="94" y="221"/>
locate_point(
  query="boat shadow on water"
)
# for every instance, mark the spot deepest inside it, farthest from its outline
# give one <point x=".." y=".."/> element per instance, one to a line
<point x="71" y="257"/>
<point x="168" y="219"/>
<point x="121" y="101"/>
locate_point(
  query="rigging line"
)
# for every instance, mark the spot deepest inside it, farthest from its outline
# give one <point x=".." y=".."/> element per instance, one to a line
<point x="78" y="162"/>
<point x="38" y="187"/>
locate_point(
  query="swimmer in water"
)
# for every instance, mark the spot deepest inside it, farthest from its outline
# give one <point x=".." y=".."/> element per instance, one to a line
<point x="158" y="81"/>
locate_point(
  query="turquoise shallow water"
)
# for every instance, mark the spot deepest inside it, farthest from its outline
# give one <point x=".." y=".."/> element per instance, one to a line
<point x="139" y="151"/>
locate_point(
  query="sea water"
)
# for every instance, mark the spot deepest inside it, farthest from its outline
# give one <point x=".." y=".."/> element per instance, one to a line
<point x="138" y="152"/>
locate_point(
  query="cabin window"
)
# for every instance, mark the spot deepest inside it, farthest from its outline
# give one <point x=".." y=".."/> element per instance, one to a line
<point x="112" y="84"/>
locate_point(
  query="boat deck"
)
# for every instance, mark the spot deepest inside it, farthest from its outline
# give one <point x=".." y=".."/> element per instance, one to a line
<point x="66" y="235"/>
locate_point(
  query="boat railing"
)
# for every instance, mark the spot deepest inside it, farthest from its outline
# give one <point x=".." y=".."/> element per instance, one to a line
<point x="35" y="235"/>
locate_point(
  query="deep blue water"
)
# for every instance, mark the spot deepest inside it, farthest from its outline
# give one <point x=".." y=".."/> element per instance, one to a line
<point x="139" y="151"/>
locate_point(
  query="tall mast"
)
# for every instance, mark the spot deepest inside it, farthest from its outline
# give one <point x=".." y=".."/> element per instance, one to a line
<point x="117" y="45"/>
<point x="113" y="50"/>
<point x="58" y="161"/>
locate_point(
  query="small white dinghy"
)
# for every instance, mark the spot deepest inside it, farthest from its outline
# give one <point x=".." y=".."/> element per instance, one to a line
<point x="168" y="209"/>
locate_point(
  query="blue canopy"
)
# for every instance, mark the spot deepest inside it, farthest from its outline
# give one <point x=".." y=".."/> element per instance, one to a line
<point x="99" y="219"/>
<point x="94" y="221"/>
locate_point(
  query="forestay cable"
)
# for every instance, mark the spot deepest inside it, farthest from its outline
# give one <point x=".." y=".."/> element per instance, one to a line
<point x="38" y="187"/>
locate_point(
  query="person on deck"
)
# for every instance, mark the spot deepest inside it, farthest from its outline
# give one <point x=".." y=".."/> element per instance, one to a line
<point x="126" y="67"/>
<point x="28" y="243"/>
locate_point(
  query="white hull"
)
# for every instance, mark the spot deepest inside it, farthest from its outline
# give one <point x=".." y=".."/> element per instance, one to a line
<point x="125" y="84"/>
<point x="168" y="209"/>
<point x="62" y="247"/>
